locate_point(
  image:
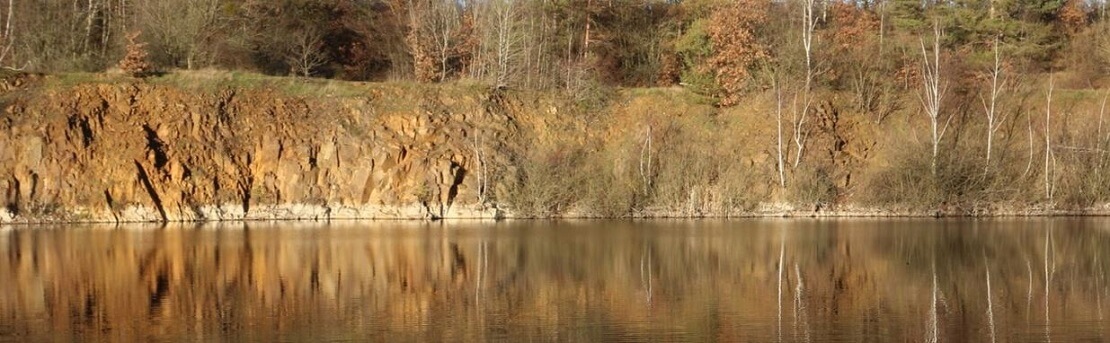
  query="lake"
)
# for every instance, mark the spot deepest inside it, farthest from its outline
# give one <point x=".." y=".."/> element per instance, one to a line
<point x="761" y="280"/>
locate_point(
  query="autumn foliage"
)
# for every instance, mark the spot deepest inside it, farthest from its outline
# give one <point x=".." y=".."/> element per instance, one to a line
<point x="1073" y="16"/>
<point x="714" y="48"/>
<point x="736" y="46"/>
<point x="135" y="61"/>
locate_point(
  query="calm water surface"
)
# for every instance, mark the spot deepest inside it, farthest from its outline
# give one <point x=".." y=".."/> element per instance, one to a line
<point x="755" y="280"/>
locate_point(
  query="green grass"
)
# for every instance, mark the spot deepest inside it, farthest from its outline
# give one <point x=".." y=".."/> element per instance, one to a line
<point x="674" y="93"/>
<point x="65" y="80"/>
<point x="216" y="80"/>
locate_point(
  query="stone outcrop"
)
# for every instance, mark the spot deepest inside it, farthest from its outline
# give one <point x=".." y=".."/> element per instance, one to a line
<point x="136" y="151"/>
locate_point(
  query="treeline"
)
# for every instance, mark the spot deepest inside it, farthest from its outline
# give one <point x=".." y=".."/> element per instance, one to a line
<point x="717" y="47"/>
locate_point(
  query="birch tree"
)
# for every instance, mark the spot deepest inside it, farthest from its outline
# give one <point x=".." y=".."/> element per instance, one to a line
<point x="183" y="29"/>
<point x="506" y="18"/>
<point x="434" y="36"/>
<point x="501" y="48"/>
<point x="809" y="24"/>
<point x="1049" y="159"/>
<point x="444" y="25"/>
<point x="7" y="40"/>
<point x="990" y="104"/>
<point x="645" y="161"/>
<point x="480" y="169"/>
<point x="990" y="304"/>
<point x="305" y="51"/>
<point x="778" y="137"/>
<point x="934" y="88"/>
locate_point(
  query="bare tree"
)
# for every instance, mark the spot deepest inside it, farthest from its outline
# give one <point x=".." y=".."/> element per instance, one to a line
<point x="8" y="21"/>
<point x="809" y="25"/>
<point x="933" y="332"/>
<point x="882" y="8"/>
<point x="501" y="50"/>
<point x="1029" y="131"/>
<point x="444" y="27"/>
<point x="990" y="105"/>
<point x="778" y="136"/>
<point x="1101" y="116"/>
<point x="586" y="31"/>
<point x="934" y="89"/>
<point x="435" y="37"/>
<point x="1049" y="250"/>
<point x="480" y="170"/>
<point x="990" y="303"/>
<point x="508" y="40"/>
<point x="782" y="255"/>
<point x="645" y="160"/>
<point x="7" y="41"/>
<point x="1049" y="158"/>
<point x="184" y="30"/>
<point x="305" y="51"/>
<point x="93" y="6"/>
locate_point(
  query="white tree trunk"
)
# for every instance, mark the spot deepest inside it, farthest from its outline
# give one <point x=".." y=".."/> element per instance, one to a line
<point x="1101" y="115"/>
<point x="778" y="137"/>
<point x="990" y="305"/>
<point x="933" y="333"/>
<point x="990" y="105"/>
<point x="645" y="161"/>
<point x="1048" y="143"/>
<point x="1029" y="164"/>
<point x="479" y="169"/>
<point x="882" y="26"/>
<point x="8" y="41"/>
<point x="586" y="36"/>
<point x="8" y="22"/>
<point x="507" y="50"/>
<point x="1047" y="282"/>
<point x="809" y="24"/>
<point x="934" y="92"/>
<point x="782" y="255"/>
<point x="89" y="16"/>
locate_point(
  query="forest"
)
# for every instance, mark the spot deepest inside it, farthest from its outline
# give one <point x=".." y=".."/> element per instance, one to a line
<point x="924" y="103"/>
<point x="716" y="47"/>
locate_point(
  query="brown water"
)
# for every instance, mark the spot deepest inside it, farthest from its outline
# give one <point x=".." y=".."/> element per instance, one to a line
<point x="840" y="280"/>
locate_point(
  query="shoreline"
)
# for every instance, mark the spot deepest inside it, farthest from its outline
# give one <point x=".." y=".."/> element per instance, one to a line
<point x="303" y="213"/>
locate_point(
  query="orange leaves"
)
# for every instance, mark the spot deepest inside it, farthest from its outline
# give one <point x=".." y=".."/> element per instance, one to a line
<point x="1072" y="16"/>
<point x="736" y="47"/>
<point x="852" y="25"/>
<point x="440" y="38"/>
<point x="135" y="62"/>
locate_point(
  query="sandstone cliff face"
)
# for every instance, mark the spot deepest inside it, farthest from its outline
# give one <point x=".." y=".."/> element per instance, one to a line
<point x="135" y="151"/>
<point x="191" y="147"/>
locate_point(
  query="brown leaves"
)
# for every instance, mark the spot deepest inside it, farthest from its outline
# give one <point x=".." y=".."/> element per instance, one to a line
<point x="736" y="47"/>
<point x="1072" y="16"/>
<point x="135" y="61"/>
<point x="852" y="25"/>
<point x="441" y="39"/>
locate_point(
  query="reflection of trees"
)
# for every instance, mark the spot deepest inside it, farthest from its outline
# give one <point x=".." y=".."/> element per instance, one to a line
<point x="702" y="280"/>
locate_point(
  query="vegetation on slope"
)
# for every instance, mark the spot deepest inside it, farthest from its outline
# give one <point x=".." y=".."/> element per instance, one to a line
<point x="690" y="107"/>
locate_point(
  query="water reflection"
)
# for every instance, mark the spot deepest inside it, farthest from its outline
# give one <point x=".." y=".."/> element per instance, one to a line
<point x="760" y="280"/>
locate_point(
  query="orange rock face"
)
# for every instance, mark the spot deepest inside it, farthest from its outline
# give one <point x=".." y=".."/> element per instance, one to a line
<point x="136" y="151"/>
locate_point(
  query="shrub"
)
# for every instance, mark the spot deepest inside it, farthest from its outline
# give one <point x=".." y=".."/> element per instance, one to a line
<point x="135" y="62"/>
<point x="544" y="182"/>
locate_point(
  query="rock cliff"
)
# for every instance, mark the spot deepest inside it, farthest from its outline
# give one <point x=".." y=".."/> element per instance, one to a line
<point x="139" y="151"/>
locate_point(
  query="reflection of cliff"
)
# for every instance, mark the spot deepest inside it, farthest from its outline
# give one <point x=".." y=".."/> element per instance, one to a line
<point x="587" y="281"/>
